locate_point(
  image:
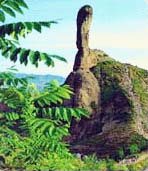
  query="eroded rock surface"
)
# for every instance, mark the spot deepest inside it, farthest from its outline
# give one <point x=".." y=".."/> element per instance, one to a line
<point x="115" y="94"/>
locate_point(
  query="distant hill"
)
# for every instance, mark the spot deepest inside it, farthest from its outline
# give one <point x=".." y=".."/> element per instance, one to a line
<point x="41" y="80"/>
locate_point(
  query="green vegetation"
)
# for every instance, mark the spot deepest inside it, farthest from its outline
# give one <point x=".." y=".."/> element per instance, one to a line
<point x="134" y="149"/>
<point x="140" y="165"/>
<point x="120" y="154"/>
<point x="137" y="142"/>
<point x="112" y="73"/>
<point x="114" y="89"/>
<point x="32" y="130"/>
<point x="139" y="81"/>
<point x="91" y="163"/>
<point x="33" y="123"/>
<point x="10" y="33"/>
<point x="114" y="79"/>
<point x="33" y="126"/>
<point x="139" y="77"/>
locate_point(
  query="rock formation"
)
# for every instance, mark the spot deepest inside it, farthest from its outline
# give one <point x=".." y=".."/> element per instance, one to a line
<point x="115" y="94"/>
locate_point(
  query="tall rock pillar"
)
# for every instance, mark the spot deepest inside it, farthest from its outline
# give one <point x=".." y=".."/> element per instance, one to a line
<point x="82" y="80"/>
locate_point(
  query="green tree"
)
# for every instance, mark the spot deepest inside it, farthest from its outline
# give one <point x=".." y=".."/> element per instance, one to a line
<point x="134" y="149"/>
<point x="10" y="33"/>
<point x="32" y="130"/>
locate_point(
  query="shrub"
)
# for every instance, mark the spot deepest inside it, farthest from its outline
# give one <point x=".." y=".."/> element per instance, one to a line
<point x="139" y="140"/>
<point x="134" y="149"/>
<point x="121" y="153"/>
<point x="33" y="128"/>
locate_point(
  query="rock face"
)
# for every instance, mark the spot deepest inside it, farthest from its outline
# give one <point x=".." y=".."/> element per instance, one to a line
<point x="115" y="94"/>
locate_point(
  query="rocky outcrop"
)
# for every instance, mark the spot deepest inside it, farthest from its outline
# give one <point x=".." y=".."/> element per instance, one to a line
<point x="115" y="94"/>
<point x="82" y="80"/>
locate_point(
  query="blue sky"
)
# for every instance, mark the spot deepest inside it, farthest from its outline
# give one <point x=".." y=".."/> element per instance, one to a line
<point x="120" y="28"/>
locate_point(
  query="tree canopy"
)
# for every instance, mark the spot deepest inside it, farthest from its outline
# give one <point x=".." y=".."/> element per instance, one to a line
<point x="10" y="34"/>
<point x="35" y="122"/>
